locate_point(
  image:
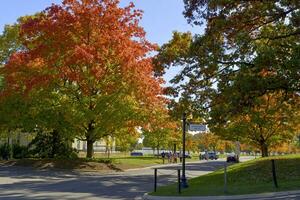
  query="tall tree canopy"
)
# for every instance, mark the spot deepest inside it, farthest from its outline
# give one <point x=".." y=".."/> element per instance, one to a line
<point x="161" y="132"/>
<point x="249" y="49"/>
<point x="9" y="42"/>
<point x="94" y="56"/>
<point x="250" y="34"/>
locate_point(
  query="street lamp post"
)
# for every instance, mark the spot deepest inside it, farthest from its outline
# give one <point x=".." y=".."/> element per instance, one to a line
<point x="183" y="177"/>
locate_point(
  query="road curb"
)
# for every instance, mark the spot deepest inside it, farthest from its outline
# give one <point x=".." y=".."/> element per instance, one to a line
<point x="172" y="164"/>
<point x="165" y="165"/>
<point x="271" y="195"/>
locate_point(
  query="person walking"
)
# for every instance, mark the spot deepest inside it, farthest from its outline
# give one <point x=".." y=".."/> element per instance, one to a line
<point x="175" y="157"/>
<point x="163" y="155"/>
<point x="169" y="157"/>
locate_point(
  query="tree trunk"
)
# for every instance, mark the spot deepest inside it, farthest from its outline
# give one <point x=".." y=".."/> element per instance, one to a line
<point x="264" y="150"/>
<point x="90" y="149"/>
<point x="90" y="140"/>
<point x="174" y="150"/>
<point x="107" y="147"/>
<point x="107" y="150"/>
<point x="108" y="154"/>
<point x="55" y="143"/>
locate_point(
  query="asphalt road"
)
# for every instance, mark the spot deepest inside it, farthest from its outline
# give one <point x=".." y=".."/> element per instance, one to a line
<point x="25" y="183"/>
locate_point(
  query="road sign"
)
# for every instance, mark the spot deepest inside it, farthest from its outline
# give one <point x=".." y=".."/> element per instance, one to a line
<point x="197" y="127"/>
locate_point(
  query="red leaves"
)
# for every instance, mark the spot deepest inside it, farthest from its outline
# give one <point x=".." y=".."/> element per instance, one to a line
<point x="82" y="55"/>
<point x="93" y="43"/>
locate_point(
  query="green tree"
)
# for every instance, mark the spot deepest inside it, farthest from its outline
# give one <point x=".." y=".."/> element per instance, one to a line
<point x="93" y="56"/>
<point x="126" y="139"/>
<point x="160" y="131"/>
<point x="10" y="39"/>
<point x="244" y="54"/>
<point x="207" y="141"/>
<point x="155" y="139"/>
<point x="46" y="115"/>
<point x="9" y="42"/>
<point x="272" y="120"/>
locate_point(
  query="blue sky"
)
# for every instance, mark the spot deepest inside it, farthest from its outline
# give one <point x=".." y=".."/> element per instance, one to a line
<point x="161" y="17"/>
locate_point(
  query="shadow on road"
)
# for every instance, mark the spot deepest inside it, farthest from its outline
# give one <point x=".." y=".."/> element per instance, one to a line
<point x="27" y="183"/>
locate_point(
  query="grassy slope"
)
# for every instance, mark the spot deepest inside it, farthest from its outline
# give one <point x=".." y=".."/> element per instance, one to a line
<point x="125" y="161"/>
<point x="115" y="163"/>
<point x="254" y="176"/>
<point x="144" y="161"/>
<point x="82" y="164"/>
<point x="135" y="162"/>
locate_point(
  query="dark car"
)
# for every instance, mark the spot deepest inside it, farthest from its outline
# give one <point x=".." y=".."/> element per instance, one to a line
<point x="136" y="154"/>
<point x="231" y="158"/>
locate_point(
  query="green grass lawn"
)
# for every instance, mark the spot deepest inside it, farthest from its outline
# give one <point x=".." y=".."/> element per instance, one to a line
<point x="143" y="161"/>
<point x="116" y="162"/>
<point x="128" y="162"/>
<point x="125" y="161"/>
<point x="136" y="162"/>
<point x="254" y="176"/>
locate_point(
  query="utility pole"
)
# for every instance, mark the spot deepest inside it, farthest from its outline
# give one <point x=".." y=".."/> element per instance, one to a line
<point x="183" y="177"/>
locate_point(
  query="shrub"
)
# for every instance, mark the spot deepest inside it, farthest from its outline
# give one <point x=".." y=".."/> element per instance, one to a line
<point x="51" y="145"/>
<point x="5" y="151"/>
<point x="20" y="151"/>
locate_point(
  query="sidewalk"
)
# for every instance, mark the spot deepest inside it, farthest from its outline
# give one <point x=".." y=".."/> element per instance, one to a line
<point x="168" y="165"/>
<point x="295" y="195"/>
<point x="179" y="164"/>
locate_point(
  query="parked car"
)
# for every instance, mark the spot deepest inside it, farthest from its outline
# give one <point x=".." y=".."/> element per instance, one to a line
<point x="187" y="155"/>
<point x="212" y="155"/>
<point x="231" y="157"/>
<point x="202" y="156"/>
<point x="136" y="154"/>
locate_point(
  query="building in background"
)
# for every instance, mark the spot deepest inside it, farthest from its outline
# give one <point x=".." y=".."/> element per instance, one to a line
<point x="101" y="146"/>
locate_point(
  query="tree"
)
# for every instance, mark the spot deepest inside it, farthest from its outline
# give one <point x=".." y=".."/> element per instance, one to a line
<point x="9" y="42"/>
<point x="273" y="120"/>
<point x="158" y="132"/>
<point x="207" y="141"/>
<point x="94" y="55"/>
<point x="248" y="39"/>
<point x="22" y="113"/>
<point x="249" y="49"/>
<point x="126" y="139"/>
<point x="51" y="145"/>
<point x="41" y="119"/>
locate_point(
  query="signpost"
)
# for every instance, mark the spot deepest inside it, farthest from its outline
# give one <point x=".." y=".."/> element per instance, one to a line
<point x="183" y="177"/>
<point x="197" y="127"/>
<point x="194" y="127"/>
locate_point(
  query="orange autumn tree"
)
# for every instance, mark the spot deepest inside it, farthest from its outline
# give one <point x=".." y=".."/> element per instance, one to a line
<point x="160" y="129"/>
<point x="95" y="56"/>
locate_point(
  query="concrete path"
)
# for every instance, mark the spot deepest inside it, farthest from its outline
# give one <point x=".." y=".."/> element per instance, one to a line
<point x="25" y="183"/>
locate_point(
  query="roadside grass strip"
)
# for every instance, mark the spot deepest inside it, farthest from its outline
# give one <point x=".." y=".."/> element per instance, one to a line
<point x="254" y="176"/>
